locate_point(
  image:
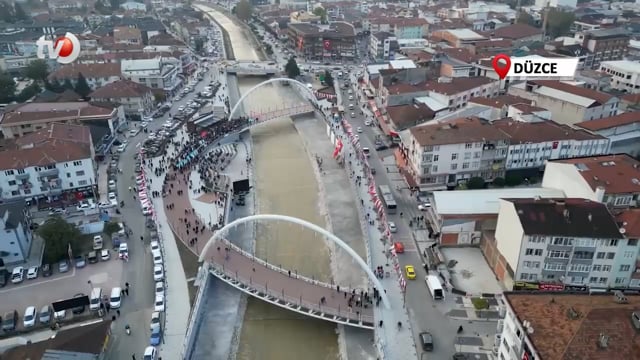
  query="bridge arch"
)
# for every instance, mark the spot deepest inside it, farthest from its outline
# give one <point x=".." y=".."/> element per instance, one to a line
<point x="218" y="234"/>
<point x="270" y="81"/>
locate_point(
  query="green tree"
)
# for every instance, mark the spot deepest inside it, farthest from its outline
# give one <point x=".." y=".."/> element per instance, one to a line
<point x="19" y="12"/>
<point x="243" y="10"/>
<point x="513" y="180"/>
<point x="498" y="182"/>
<point x="524" y="18"/>
<point x="475" y="182"/>
<point x="54" y="86"/>
<point x="559" y="22"/>
<point x="7" y="13"/>
<point x="7" y="88"/>
<point x="291" y="68"/>
<point x="67" y="85"/>
<point x="110" y="228"/>
<point x="115" y="4"/>
<point x="58" y="235"/>
<point x="322" y="12"/>
<point x="29" y="92"/>
<point x="82" y="87"/>
<point x="328" y="78"/>
<point x="37" y="70"/>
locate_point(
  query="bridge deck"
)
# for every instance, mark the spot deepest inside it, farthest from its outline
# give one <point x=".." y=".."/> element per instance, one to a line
<point x="258" y="278"/>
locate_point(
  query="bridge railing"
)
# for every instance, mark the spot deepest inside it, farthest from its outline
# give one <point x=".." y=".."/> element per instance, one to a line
<point x="285" y="271"/>
<point x="353" y="315"/>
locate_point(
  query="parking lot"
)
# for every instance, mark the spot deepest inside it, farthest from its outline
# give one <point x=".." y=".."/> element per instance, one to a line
<point x="60" y="286"/>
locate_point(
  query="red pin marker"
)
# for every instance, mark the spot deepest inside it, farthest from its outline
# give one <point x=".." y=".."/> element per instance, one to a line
<point x="502" y="64"/>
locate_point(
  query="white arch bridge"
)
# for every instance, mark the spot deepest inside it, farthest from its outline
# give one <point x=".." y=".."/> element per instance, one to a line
<point x="285" y="287"/>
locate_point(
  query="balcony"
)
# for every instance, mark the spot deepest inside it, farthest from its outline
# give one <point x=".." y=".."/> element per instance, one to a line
<point x="23" y="176"/>
<point x="51" y="183"/>
<point x="25" y="185"/>
<point x="48" y="172"/>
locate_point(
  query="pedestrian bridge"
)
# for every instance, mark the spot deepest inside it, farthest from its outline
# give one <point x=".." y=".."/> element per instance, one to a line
<point x="256" y="68"/>
<point x="259" y="117"/>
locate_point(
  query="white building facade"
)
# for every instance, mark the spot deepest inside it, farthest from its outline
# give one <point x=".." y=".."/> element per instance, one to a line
<point x="159" y="73"/>
<point x="625" y="75"/>
<point x="15" y="236"/>
<point x="515" y="343"/>
<point x="531" y="155"/>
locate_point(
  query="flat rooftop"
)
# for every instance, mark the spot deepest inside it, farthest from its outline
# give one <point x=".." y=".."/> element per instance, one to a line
<point x="557" y="336"/>
<point x="468" y="202"/>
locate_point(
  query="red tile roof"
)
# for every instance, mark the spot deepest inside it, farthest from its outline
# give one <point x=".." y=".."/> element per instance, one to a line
<point x="610" y="122"/>
<point x="404" y="116"/>
<point x="52" y="112"/>
<point x="617" y="174"/>
<point x="89" y="71"/>
<point x="456" y="86"/>
<point x="120" y="89"/>
<point x="458" y="131"/>
<point x="516" y="31"/>
<point x="629" y="220"/>
<point x="43" y="154"/>
<point x="598" y="96"/>
<point x="57" y="132"/>
<point x="541" y="131"/>
<point x="500" y="101"/>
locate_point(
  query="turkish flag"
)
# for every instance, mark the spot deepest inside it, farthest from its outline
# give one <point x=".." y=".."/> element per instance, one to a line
<point x="327" y="44"/>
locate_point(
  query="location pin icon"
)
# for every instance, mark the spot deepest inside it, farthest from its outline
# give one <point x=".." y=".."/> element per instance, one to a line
<point x="502" y="64"/>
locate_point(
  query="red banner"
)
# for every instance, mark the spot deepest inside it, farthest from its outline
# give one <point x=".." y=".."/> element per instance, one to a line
<point x="327" y="45"/>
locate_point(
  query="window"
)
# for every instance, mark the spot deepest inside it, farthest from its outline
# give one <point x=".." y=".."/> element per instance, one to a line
<point x="625" y="267"/>
<point x="468" y="145"/>
<point x="557" y="254"/>
<point x="454" y="156"/>
<point x="585" y="255"/>
<point x="68" y="175"/>
<point x="606" y="268"/>
<point x="593" y="279"/>
<point x="465" y="165"/>
<point x="596" y="268"/>
<point x="477" y="155"/>
<point x="77" y="163"/>
<point x="9" y="172"/>
<point x="620" y="280"/>
<point x="12" y="182"/>
<point x="454" y="166"/>
<point x="83" y="183"/>
<point x="80" y="173"/>
<point x="580" y="267"/>
<point x="531" y="264"/>
<point x="436" y="157"/>
<point x="70" y="184"/>
<point x="563" y="241"/>
<point x="632" y="242"/>
<point x="467" y="155"/>
<point x="611" y="255"/>
<point x="20" y="171"/>
<point x="623" y="200"/>
<point x="629" y="254"/>
<point x="612" y="242"/>
<point x="537" y="239"/>
<point x="434" y="169"/>
<point x="555" y="267"/>
<point x="600" y="255"/>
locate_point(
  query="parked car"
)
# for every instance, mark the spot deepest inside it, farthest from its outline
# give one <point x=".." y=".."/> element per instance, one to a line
<point x="155" y="320"/>
<point x="63" y="266"/>
<point x="159" y="303"/>
<point x="392" y="227"/>
<point x="159" y="288"/>
<point x="92" y="257"/>
<point x="105" y="255"/>
<point x="32" y="273"/>
<point x="155" y="246"/>
<point x="150" y="353"/>
<point x="46" y="270"/>
<point x="123" y="250"/>
<point x="29" y="318"/>
<point x="78" y="309"/>
<point x="158" y="273"/>
<point x="17" y="275"/>
<point x="44" y="316"/>
<point x="156" y="336"/>
<point x="10" y="321"/>
<point x="80" y="262"/>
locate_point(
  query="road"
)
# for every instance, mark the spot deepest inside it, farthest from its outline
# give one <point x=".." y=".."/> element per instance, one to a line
<point x="137" y="308"/>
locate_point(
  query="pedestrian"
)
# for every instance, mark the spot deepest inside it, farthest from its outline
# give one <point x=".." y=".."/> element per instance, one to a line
<point x="133" y="357"/>
<point x="108" y="307"/>
<point x="126" y="291"/>
<point x="126" y="285"/>
<point x="118" y="312"/>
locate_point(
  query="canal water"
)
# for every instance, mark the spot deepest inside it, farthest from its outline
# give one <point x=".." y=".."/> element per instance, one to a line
<point x="285" y="184"/>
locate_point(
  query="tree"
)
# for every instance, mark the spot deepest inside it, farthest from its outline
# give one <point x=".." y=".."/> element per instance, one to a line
<point x="159" y="97"/>
<point x="29" y="92"/>
<point x="328" y="78"/>
<point x="37" y="70"/>
<point x="110" y="228"/>
<point x="67" y="85"/>
<point x="524" y="18"/>
<point x="475" y="182"/>
<point x="322" y="12"/>
<point x="7" y="13"/>
<point x="19" y="12"/>
<point x="292" y="69"/>
<point x="82" y="87"/>
<point x="115" y="4"/>
<point x="513" y="180"/>
<point x="559" y="22"/>
<point x="58" y="235"/>
<point x="7" y="88"/>
<point x="243" y="10"/>
<point x="498" y="182"/>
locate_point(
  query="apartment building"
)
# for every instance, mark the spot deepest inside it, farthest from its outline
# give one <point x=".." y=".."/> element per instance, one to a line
<point x="96" y="74"/>
<point x="323" y="42"/>
<point x="605" y="44"/>
<point x="458" y="38"/>
<point x="532" y="144"/>
<point x="127" y="35"/>
<point x="382" y="46"/>
<point x="136" y="99"/>
<point x="611" y="179"/>
<point x="570" y="241"/>
<point x="443" y="155"/>
<point x="622" y="130"/>
<point x="625" y="75"/>
<point x="569" y="104"/>
<point x="31" y="117"/>
<point x="15" y="235"/>
<point x="159" y="73"/>
<point x="57" y="161"/>
<point x="401" y="27"/>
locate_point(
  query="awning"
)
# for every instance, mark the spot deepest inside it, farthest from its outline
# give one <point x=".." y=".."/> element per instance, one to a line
<point x="393" y="133"/>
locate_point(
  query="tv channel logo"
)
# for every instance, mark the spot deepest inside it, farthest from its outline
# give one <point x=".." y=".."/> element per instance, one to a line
<point x="64" y="49"/>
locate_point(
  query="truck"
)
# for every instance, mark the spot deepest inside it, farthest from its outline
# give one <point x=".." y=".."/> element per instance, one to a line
<point x="435" y="287"/>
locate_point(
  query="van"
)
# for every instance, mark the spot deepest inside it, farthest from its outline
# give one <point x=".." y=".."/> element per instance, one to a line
<point x="94" y="300"/>
<point x="427" y="341"/>
<point x="115" y="299"/>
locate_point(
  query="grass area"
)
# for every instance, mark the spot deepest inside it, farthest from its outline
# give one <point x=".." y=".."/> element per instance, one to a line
<point x="480" y="303"/>
<point x="189" y="265"/>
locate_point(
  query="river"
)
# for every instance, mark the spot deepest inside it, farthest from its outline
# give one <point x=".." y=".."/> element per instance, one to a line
<point x="285" y="184"/>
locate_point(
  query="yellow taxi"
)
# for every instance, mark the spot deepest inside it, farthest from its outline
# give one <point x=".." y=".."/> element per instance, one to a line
<point x="410" y="271"/>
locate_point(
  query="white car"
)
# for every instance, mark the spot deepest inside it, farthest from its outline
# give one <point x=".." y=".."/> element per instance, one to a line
<point x="392" y="227"/>
<point x="155" y="246"/>
<point x="58" y="315"/>
<point x="113" y="199"/>
<point x="32" y="273"/>
<point x="159" y="288"/>
<point x="158" y="273"/>
<point x="17" y="275"/>
<point x="105" y="255"/>
<point x="123" y="250"/>
<point x="134" y="132"/>
<point x="181" y="108"/>
<point x="150" y="353"/>
<point x="359" y="129"/>
<point x="424" y="206"/>
<point x="350" y="97"/>
<point x="157" y="257"/>
<point x="112" y="185"/>
<point x="29" y="318"/>
<point x="159" y="303"/>
<point x="121" y="148"/>
<point x="368" y="122"/>
<point x="144" y="124"/>
<point x="155" y="321"/>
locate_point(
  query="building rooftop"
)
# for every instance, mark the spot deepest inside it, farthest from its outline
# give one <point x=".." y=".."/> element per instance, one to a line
<point x="402" y="64"/>
<point x="125" y="33"/>
<point x="623" y="65"/>
<point x="56" y="132"/>
<point x="13" y="212"/>
<point x="541" y="131"/>
<point x="618" y="174"/>
<point x="43" y="154"/>
<point x="629" y="220"/>
<point x="458" y="131"/>
<point x="89" y="71"/>
<point x="607" y="33"/>
<point x="120" y="89"/>
<point x="28" y="112"/>
<point x="566" y="217"/>
<point x="500" y="101"/>
<point x="486" y="201"/>
<point x="465" y="34"/>
<point x="556" y="336"/>
<point x="383" y="35"/>
<point x="404" y="116"/>
<point x="516" y="31"/>
<point x="610" y="122"/>
<point x="451" y="87"/>
<point x="574" y="94"/>
<point x="334" y="30"/>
